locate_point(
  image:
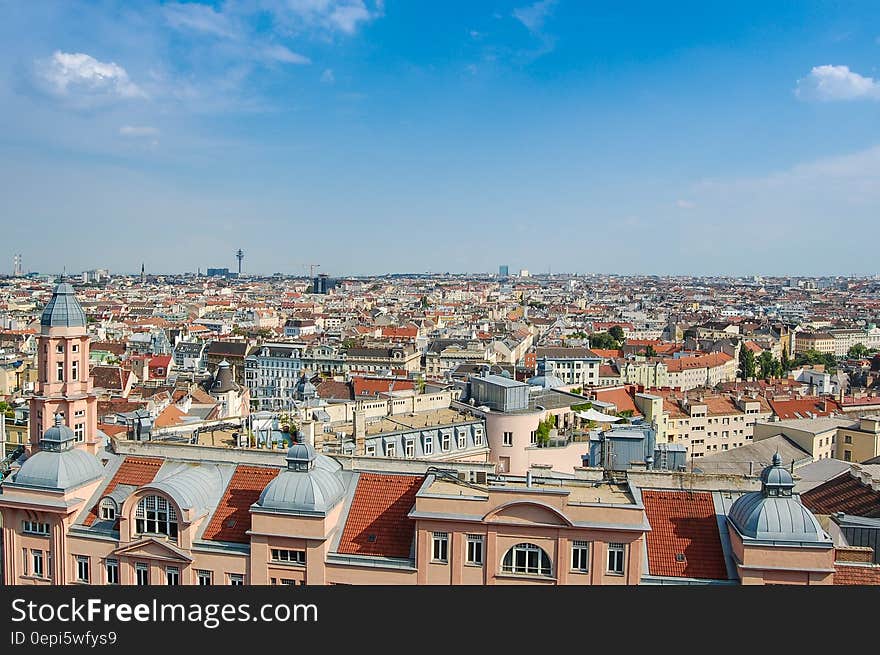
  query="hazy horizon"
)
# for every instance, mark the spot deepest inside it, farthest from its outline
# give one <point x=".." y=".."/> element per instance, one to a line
<point x="371" y="136"/>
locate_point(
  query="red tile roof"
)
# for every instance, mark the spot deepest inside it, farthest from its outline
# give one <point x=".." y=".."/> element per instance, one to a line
<point x="803" y="407"/>
<point x="232" y="518"/>
<point x="372" y="386"/>
<point x="843" y="494"/>
<point x="377" y="522"/>
<point x="850" y="574"/>
<point x="620" y="397"/>
<point x="683" y="523"/>
<point x="136" y="471"/>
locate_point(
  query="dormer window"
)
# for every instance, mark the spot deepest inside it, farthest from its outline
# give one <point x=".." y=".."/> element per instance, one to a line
<point x="108" y="509"/>
<point x="155" y="515"/>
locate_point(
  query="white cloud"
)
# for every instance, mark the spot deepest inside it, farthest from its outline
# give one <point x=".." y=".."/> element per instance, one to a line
<point x="327" y="76"/>
<point x="534" y="15"/>
<point x="284" y="55"/>
<point x="138" y="130"/>
<point x="326" y="15"/>
<point x="199" y="18"/>
<point x="84" y="80"/>
<point x="828" y="83"/>
<point x="685" y="204"/>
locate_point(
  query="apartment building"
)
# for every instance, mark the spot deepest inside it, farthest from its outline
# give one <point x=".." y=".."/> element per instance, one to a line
<point x="829" y="437"/>
<point x="690" y="372"/>
<point x="703" y="424"/>
<point x="574" y="366"/>
<point x="822" y="342"/>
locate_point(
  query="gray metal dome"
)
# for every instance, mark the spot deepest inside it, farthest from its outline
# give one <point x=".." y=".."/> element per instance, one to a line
<point x="545" y="381"/>
<point x="775" y="513"/>
<point x="59" y="464"/>
<point x="311" y="483"/>
<point x="63" y="310"/>
<point x="315" y="491"/>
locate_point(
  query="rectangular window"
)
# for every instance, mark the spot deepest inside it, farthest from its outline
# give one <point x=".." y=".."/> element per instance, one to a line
<point x="37" y="559"/>
<point x="82" y="568"/>
<point x="79" y="413"/>
<point x="370" y="450"/>
<point x="33" y="527"/>
<point x="429" y="445"/>
<point x="390" y="449"/>
<point x="440" y="551"/>
<point x="79" y="431"/>
<point x="507" y="439"/>
<point x="172" y="576"/>
<point x="847" y="439"/>
<point x="409" y="448"/>
<point x="616" y="553"/>
<point x="847" y="455"/>
<point x="474" y="549"/>
<point x="580" y="555"/>
<point x="142" y="574"/>
<point x="74" y="370"/>
<point x="445" y="441"/>
<point x="204" y="578"/>
<point x="478" y="437"/>
<point x="111" y="567"/>
<point x="289" y="556"/>
<point x="59" y="349"/>
<point x="59" y="371"/>
<point x="236" y="579"/>
<point x="25" y="562"/>
<point x="462" y="440"/>
<point x="75" y="348"/>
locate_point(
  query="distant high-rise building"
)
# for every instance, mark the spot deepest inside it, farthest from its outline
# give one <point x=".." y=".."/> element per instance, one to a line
<point x="503" y="271"/>
<point x="524" y="272"/>
<point x="143" y="274"/>
<point x="323" y="284"/>
<point x="239" y="255"/>
<point x="16" y="266"/>
<point x="218" y="272"/>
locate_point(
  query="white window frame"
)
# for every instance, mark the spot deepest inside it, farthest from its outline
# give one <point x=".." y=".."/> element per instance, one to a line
<point x="236" y="579"/>
<point x="428" y="445"/>
<point x="370" y="450"/>
<point x="204" y="578"/>
<point x="580" y="556"/>
<point x="475" y="553"/>
<point x="390" y="449"/>
<point x="83" y="569"/>
<point x="35" y="527"/>
<point x="107" y="509"/>
<point x="507" y="438"/>
<point x="288" y="556"/>
<point x="440" y="547"/>
<point x="172" y="576"/>
<point x="142" y="574"/>
<point x="445" y="442"/>
<point x="527" y="559"/>
<point x="111" y="571"/>
<point x="74" y="370"/>
<point x="409" y="448"/>
<point x="616" y="559"/>
<point x="38" y="570"/>
<point x="462" y="440"/>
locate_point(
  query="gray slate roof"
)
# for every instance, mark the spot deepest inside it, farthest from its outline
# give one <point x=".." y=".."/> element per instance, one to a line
<point x="63" y="310"/>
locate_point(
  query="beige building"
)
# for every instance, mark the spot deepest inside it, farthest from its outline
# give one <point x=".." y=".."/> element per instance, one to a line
<point x="837" y="437"/>
<point x="704" y="424"/>
<point x="821" y="342"/>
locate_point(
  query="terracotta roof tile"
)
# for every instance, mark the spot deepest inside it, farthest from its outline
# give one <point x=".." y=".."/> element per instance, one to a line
<point x="232" y="518"/>
<point x="377" y="522"/>
<point x="843" y="494"/>
<point x="849" y="574"/>
<point x="136" y="471"/>
<point x="683" y="523"/>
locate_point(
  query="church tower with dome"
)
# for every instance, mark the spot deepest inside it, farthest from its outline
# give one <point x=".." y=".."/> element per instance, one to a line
<point x="63" y="383"/>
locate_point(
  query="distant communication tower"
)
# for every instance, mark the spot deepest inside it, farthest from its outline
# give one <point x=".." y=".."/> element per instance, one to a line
<point x="239" y="255"/>
<point x="16" y="266"/>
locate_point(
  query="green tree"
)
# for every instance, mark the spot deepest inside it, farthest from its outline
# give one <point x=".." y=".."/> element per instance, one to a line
<point x="650" y="352"/>
<point x="542" y="433"/>
<point x="857" y="351"/>
<point x="746" y="363"/>
<point x="617" y="333"/>
<point x="785" y="362"/>
<point x="766" y="364"/>
<point x="604" y="341"/>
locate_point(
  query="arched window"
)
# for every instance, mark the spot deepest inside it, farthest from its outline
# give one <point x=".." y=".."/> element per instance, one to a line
<point x="526" y="558"/>
<point x="108" y="509"/>
<point x="155" y="515"/>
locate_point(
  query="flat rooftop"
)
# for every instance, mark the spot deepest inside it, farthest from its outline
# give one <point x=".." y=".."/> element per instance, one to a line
<point x="816" y="425"/>
<point x="579" y="491"/>
<point x="433" y="419"/>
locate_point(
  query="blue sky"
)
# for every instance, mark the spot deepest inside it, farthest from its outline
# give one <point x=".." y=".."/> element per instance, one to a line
<point x="371" y="137"/>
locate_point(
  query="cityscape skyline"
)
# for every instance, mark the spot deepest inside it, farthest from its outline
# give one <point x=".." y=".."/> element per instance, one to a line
<point x="695" y="139"/>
